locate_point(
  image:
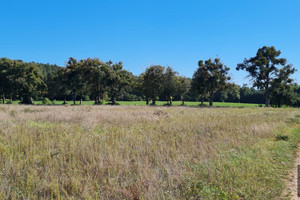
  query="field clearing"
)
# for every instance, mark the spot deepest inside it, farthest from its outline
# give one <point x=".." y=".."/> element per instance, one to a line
<point x="135" y="152"/>
<point x="158" y="103"/>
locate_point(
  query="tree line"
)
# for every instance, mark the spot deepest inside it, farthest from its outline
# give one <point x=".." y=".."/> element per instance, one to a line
<point x="93" y="79"/>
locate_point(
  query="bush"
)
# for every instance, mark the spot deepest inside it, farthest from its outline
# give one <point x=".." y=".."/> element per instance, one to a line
<point x="86" y="98"/>
<point x="282" y="137"/>
<point x="47" y="101"/>
<point x="101" y="102"/>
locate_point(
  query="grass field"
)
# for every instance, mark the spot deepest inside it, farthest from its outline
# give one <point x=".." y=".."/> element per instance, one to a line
<point x="135" y="152"/>
<point x="159" y="103"/>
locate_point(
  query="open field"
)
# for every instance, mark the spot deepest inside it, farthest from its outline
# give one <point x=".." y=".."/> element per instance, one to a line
<point x="159" y="103"/>
<point x="135" y="152"/>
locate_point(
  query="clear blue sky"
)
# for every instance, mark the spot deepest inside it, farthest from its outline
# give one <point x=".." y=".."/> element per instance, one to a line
<point x="141" y="33"/>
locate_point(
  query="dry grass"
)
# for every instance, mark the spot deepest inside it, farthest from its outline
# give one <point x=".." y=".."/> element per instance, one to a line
<point x="105" y="152"/>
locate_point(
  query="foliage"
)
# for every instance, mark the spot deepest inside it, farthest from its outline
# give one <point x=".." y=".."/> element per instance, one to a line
<point x="22" y="79"/>
<point x="210" y="77"/>
<point x="152" y="82"/>
<point x="183" y="87"/>
<point x="118" y="79"/>
<point x="230" y="94"/>
<point x="47" y="101"/>
<point x="170" y="84"/>
<point x="282" y="91"/>
<point x="95" y="79"/>
<point x="264" y="70"/>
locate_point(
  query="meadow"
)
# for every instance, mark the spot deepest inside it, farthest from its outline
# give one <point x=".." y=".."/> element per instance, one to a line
<point x="145" y="152"/>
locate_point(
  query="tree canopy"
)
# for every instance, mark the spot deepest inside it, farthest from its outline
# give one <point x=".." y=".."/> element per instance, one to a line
<point x="265" y="68"/>
<point x="210" y="78"/>
<point x="94" y="79"/>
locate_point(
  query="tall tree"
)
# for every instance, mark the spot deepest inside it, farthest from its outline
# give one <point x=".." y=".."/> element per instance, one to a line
<point x="263" y="69"/>
<point x="96" y="73"/>
<point x="199" y="81"/>
<point x="5" y="82"/>
<point x="210" y="77"/>
<point x="170" y="84"/>
<point x="118" y="80"/>
<point x="282" y="91"/>
<point x="184" y="85"/>
<point x="74" y="77"/>
<point x="152" y="83"/>
<point x="58" y="84"/>
<point x="29" y="81"/>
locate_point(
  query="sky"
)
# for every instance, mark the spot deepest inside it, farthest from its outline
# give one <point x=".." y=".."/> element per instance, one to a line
<point x="141" y="33"/>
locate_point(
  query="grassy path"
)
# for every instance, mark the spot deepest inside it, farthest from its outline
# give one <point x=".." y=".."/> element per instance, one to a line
<point x="292" y="182"/>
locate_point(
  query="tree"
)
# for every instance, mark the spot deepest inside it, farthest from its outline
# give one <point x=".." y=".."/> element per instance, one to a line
<point x="282" y="91"/>
<point x="184" y="85"/>
<point x="210" y="77"/>
<point x="58" y="84"/>
<point x="5" y="83"/>
<point x="152" y="82"/>
<point x="263" y="69"/>
<point x="29" y="81"/>
<point x="230" y="94"/>
<point x="170" y="81"/>
<point x="75" y="78"/>
<point x="96" y="74"/>
<point x="118" y="80"/>
<point x="199" y="81"/>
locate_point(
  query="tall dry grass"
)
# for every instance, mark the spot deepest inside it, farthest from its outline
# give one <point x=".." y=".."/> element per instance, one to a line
<point x="104" y="152"/>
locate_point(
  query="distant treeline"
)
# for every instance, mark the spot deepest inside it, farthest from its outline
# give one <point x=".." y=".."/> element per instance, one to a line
<point x="93" y="79"/>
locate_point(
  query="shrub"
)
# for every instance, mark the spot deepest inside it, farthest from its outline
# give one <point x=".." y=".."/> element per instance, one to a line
<point x="101" y="102"/>
<point x="282" y="137"/>
<point x="46" y="101"/>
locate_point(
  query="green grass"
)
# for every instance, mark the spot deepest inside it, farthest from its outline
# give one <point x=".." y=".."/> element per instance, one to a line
<point x="145" y="152"/>
<point x="158" y="103"/>
<point x="250" y="172"/>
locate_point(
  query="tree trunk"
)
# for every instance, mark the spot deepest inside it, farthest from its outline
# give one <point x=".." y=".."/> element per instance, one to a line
<point x="279" y="102"/>
<point x="3" y="96"/>
<point x="171" y="101"/>
<point x="113" y="100"/>
<point x="65" y="99"/>
<point x="211" y="100"/>
<point x="74" y="97"/>
<point x="11" y="101"/>
<point x="27" y="100"/>
<point x="147" y="101"/>
<point x="153" y="101"/>
<point x="267" y="100"/>
<point x="80" y="100"/>
<point x="96" y="100"/>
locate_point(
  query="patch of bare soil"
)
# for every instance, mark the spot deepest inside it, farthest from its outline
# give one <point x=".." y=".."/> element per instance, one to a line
<point x="291" y="190"/>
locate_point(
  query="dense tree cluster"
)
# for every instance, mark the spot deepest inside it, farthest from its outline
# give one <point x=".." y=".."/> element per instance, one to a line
<point x="93" y="79"/>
